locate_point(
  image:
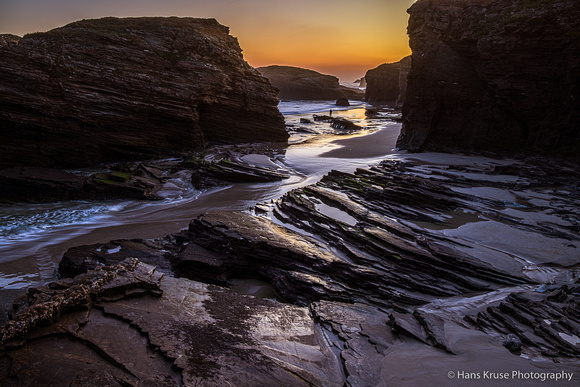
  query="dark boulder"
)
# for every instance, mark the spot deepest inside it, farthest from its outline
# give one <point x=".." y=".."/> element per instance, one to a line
<point x="513" y="343"/>
<point x="343" y="124"/>
<point x="342" y="102"/>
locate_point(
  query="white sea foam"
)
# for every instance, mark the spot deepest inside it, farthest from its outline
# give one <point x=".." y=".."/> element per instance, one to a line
<point x="288" y="107"/>
<point x="178" y="188"/>
<point x="26" y="221"/>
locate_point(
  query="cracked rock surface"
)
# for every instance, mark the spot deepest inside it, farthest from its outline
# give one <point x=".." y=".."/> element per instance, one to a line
<point x="131" y="325"/>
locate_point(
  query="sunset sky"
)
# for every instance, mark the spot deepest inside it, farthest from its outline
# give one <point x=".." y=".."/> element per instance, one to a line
<point x="339" y="37"/>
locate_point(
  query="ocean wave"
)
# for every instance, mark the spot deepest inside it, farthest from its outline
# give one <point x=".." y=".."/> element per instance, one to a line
<point x="26" y="220"/>
<point x="288" y="107"/>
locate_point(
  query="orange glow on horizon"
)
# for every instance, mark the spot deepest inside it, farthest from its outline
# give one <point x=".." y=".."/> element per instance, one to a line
<point x="339" y="37"/>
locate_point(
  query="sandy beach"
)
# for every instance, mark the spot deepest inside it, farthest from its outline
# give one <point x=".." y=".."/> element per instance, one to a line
<point x="379" y="143"/>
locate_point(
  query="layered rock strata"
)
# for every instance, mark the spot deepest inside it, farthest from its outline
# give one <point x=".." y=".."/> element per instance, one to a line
<point x="387" y="83"/>
<point x="38" y="185"/>
<point x="299" y="83"/>
<point x="388" y="265"/>
<point x="124" y="89"/>
<point x="216" y="166"/>
<point x="221" y="169"/>
<point x="493" y="75"/>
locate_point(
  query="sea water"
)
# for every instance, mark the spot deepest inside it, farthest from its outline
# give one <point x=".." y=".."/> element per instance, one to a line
<point x="290" y="107"/>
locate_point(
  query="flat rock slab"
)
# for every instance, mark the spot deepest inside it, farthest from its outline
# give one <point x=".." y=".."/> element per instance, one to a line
<point x="194" y="334"/>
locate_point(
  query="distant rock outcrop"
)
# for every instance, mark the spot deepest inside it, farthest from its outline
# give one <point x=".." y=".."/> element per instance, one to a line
<point x="387" y="84"/>
<point x="124" y="89"/>
<point x="362" y="82"/>
<point x="494" y="75"/>
<point x="299" y="83"/>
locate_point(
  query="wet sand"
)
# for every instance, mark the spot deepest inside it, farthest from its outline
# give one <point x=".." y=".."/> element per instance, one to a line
<point x="479" y="362"/>
<point x="379" y="143"/>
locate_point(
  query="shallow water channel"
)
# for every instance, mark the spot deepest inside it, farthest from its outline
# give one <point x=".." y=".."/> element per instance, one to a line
<point x="33" y="237"/>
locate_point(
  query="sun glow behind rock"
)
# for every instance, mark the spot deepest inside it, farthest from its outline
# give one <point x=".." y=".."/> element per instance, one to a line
<point x="340" y="37"/>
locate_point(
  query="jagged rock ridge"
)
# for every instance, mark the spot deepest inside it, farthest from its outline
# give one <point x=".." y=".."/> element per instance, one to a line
<point x="124" y="89"/>
<point x="493" y="75"/>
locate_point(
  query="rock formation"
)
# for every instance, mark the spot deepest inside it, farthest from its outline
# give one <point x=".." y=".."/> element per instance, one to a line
<point x="387" y="84"/>
<point x="125" y="89"/>
<point x="218" y="165"/>
<point x="129" y="324"/>
<point x="362" y="82"/>
<point x="299" y="83"/>
<point x="493" y="75"/>
<point x="222" y="170"/>
<point x="38" y="184"/>
<point x="374" y="263"/>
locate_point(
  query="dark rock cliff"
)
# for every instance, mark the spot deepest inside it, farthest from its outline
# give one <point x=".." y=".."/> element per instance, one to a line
<point x="493" y="75"/>
<point x="387" y="83"/>
<point x="299" y="83"/>
<point x="124" y="89"/>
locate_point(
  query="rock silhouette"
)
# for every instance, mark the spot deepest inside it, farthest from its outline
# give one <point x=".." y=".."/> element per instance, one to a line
<point x="299" y="83"/>
<point x="495" y="76"/>
<point x="116" y="89"/>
